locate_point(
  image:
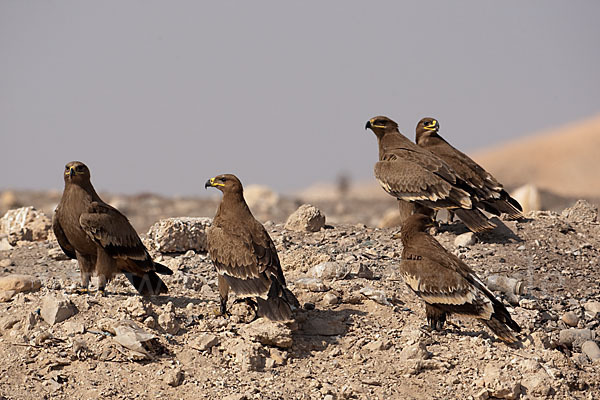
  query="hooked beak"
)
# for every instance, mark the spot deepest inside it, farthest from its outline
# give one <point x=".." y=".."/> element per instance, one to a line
<point x="71" y="172"/>
<point x="208" y="183"/>
<point x="368" y="125"/>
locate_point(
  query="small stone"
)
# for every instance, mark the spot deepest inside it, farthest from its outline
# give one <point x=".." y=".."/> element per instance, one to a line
<point x="248" y="355"/>
<point x="312" y="284"/>
<point x="6" y="295"/>
<point x="572" y="336"/>
<point x="5" y="263"/>
<point x="174" y="377"/>
<point x="570" y="319"/>
<point x="137" y="307"/>
<point x="150" y="322"/>
<point x="268" y="332"/>
<point x="590" y="349"/>
<point x="168" y="322"/>
<point x="417" y="351"/>
<point x="20" y="283"/>
<point x="329" y="270"/>
<point x="7" y="323"/>
<point x="178" y="235"/>
<point x="379" y="344"/>
<point x="592" y="308"/>
<point x="71" y="328"/>
<point x="5" y="245"/>
<point x="306" y="218"/>
<point x="330" y="299"/>
<point x="328" y="397"/>
<point x="205" y="342"/>
<point x="465" y="240"/>
<point x="57" y="254"/>
<point x="377" y="296"/>
<point x="364" y="272"/>
<point x="541" y="340"/>
<point x="56" y="309"/>
<point x="278" y="355"/>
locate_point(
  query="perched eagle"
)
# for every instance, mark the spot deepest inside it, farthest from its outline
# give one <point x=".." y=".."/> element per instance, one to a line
<point x="416" y="175"/>
<point x="101" y="238"/>
<point x="446" y="284"/>
<point x="245" y="256"/>
<point x="493" y="197"/>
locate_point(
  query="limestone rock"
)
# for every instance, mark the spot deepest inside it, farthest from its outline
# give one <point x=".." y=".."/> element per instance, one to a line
<point x="572" y="336"/>
<point x="306" y="218"/>
<point x="570" y="319"/>
<point x="178" y="235"/>
<point x="25" y="224"/>
<point x="592" y="308"/>
<point x="590" y="349"/>
<point x="465" y="240"/>
<point x="6" y="295"/>
<point x="581" y="211"/>
<point x="205" y="342"/>
<point x="268" y="332"/>
<point x="56" y="309"/>
<point x="168" y="321"/>
<point x="174" y="377"/>
<point x="417" y="351"/>
<point x="312" y="284"/>
<point x="331" y="299"/>
<point x="20" y="283"/>
<point x="329" y="270"/>
<point x="250" y="356"/>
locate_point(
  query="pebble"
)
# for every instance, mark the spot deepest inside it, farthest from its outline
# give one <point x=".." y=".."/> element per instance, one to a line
<point x="330" y="299"/>
<point x="56" y="309"/>
<point x="592" y="308"/>
<point x="465" y="240"/>
<point x="570" y="318"/>
<point x="573" y="336"/>
<point x="312" y="284"/>
<point x="591" y="349"/>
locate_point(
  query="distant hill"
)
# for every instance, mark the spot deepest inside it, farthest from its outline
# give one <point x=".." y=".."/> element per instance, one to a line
<point x="565" y="161"/>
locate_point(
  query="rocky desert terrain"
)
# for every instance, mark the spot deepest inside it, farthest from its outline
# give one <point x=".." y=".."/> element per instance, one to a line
<point x="359" y="335"/>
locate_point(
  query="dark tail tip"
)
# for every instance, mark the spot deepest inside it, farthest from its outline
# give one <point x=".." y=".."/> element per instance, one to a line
<point x="148" y="284"/>
<point x="162" y="269"/>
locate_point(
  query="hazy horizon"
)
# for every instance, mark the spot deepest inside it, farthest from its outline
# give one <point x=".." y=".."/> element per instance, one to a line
<point x="160" y="96"/>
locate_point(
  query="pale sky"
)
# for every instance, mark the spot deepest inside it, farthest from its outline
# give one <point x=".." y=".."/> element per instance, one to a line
<point x="158" y="96"/>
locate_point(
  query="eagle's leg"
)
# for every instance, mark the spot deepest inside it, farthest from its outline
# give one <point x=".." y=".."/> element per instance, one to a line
<point x="106" y="266"/>
<point x="223" y="295"/>
<point x="86" y="269"/>
<point x="435" y="318"/>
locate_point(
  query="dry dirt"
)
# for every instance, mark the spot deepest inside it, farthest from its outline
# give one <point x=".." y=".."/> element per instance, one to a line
<point x="358" y="348"/>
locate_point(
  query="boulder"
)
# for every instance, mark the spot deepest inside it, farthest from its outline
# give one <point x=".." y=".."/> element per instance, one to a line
<point x="178" y="235"/>
<point x="306" y="218"/>
<point x="25" y="224"/>
<point x="20" y="283"/>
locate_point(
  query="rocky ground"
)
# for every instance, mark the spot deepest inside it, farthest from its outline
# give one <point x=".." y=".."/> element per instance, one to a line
<point x="359" y="335"/>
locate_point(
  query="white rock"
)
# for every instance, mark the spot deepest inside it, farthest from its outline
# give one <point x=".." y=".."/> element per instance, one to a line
<point x="590" y="349"/>
<point x="465" y="240"/>
<point x="178" y="235"/>
<point x="417" y="351"/>
<point x="592" y="308"/>
<point x="205" y="342"/>
<point x="56" y="309"/>
<point x="306" y="218"/>
<point x="168" y="322"/>
<point x="20" y="283"/>
<point x="330" y="299"/>
<point x="377" y="296"/>
<point x="329" y="270"/>
<point x="25" y="223"/>
<point x="131" y="336"/>
<point x="268" y="332"/>
<point x="312" y="284"/>
<point x="572" y="336"/>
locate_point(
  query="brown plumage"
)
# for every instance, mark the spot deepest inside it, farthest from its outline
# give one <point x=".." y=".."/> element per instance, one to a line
<point x="446" y="284"/>
<point x="492" y="196"/>
<point x="101" y="238"/>
<point x="245" y="256"/>
<point x="413" y="174"/>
